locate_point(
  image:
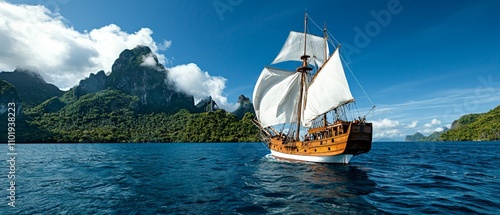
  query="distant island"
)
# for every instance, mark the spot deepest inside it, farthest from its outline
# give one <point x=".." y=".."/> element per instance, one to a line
<point x="419" y="137"/>
<point x="470" y="127"/>
<point x="133" y="103"/>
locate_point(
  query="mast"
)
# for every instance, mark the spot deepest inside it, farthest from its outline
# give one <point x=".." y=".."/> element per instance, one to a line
<point x="303" y="69"/>
<point x="305" y="35"/>
<point x="325" y="35"/>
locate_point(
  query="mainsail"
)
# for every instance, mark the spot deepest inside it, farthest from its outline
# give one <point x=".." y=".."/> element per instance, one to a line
<point x="328" y="90"/>
<point x="293" y="48"/>
<point x="275" y="96"/>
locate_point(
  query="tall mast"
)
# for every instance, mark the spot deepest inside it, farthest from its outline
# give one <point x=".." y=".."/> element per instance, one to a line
<point x="303" y="69"/>
<point x="305" y="36"/>
<point x="325" y="35"/>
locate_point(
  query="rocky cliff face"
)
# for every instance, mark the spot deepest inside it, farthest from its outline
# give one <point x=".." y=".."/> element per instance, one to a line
<point x="94" y="83"/>
<point x="207" y="105"/>
<point x="245" y="105"/>
<point x="8" y="94"/>
<point x="137" y="72"/>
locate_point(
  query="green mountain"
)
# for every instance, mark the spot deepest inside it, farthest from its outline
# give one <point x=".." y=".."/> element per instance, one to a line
<point x="415" y="138"/>
<point x="8" y="94"/>
<point x="31" y="87"/>
<point x="207" y="105"/>
<point x="148" y="82"/>
<point x="134" y="103"/>
<point x="245" y="106"/>
<point x="418" y="137"/>
<point x="23" y="131"/>
<point x="472" y="127"/>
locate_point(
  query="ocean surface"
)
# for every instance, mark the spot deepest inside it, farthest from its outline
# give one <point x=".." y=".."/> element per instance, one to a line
<point x="242" y="178"/>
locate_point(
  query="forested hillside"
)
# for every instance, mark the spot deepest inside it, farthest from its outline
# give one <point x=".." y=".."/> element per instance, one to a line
<point x="134" y="103"/>
<point x="484" y="126"/>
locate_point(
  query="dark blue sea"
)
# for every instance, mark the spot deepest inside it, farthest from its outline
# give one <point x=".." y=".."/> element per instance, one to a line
<point x="242" y="178"/>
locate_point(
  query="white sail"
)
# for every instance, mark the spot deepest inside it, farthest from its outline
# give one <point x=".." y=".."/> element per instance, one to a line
<point x="328" y="90"/>
<point x="293" y="48"/>
<point x="275" y="96"/>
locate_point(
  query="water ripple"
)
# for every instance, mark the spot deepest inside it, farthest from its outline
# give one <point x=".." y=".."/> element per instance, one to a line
<point x="394" y="178"/>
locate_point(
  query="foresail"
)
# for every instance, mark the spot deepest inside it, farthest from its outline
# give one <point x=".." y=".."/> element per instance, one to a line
<point x="275" y="96"/>
<point x="328" y="90"/>
<point x="293" y="48"/>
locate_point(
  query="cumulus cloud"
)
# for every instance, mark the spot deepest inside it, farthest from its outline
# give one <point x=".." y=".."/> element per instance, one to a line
<point x="165" y="45"/>
<point x="386" y="128"/>
<point x="439" y="129"/>
<point x="33" y="36"/>
<point x="148" y="61"/>
<point x="190" y="79"/>
<point x="432" y="123"/>
<point x="387" y="123"/>
<point x="413" y="124"/>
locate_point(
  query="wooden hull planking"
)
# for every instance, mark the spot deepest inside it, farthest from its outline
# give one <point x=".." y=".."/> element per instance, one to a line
<point x="335" y="143"/>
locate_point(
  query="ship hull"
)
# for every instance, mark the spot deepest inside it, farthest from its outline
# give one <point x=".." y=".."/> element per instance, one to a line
<point x="334" y="159"/>
<point x="336" y="143"/>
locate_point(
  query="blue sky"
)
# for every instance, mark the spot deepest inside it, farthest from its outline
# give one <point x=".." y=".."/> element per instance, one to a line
<point x="425" y="66"/>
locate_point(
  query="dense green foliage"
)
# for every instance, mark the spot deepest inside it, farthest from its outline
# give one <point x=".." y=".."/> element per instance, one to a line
<point x="110" y="116"/>
<point x="8" y="91"/>
<point x="485" y="126"/>
<point x="418" y="137"/>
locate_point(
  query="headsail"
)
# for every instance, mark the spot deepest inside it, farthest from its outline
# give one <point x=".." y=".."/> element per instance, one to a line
<point x="328" y="90"/>
<point x="294" y="46"/>
<point x="275" y="96"/>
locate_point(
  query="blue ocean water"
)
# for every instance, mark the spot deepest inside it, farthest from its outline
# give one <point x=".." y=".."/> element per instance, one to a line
<point x="242" y="178"/>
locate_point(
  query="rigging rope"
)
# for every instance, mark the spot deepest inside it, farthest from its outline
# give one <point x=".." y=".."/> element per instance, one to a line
<point x="349" y="68"/>
<point x="329" y="35"/>
<point x="329" y="38"/>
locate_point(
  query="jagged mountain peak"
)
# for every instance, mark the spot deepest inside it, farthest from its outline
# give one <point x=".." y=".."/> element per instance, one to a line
<point x="140" y="56"/>
<point x="94" y="83"/>
<point x="137" y="72"/>
<point x="207" y="104"/>
<point x="243" y="100"/>
<point x="245" y="105"/>
<point x="31" y="86"/>
<point x="30" y="74"/>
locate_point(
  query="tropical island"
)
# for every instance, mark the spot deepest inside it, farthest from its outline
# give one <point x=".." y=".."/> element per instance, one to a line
<point x="469" y="127"/>
<point x="133" y="103"/>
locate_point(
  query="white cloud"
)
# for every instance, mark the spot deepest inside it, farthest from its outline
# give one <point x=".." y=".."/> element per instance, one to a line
<point x="385" y="123"/>
<point x="165" y="45"/>
<point x="190" y="79"/>
<point x="386" y="128"/>
<point x="439" y="129"/>
<point x="413" y="124"/>
<point x="432" y="123"/>
<point x="389" y="133"/>
<point x="33" y="36"/>
<point x="148" y="61"/>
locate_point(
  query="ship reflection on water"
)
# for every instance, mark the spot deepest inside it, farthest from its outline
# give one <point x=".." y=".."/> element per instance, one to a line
<point x="295" y="187"/>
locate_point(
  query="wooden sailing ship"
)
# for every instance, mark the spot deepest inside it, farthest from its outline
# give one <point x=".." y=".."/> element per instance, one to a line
<point x="293" y="107"/>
